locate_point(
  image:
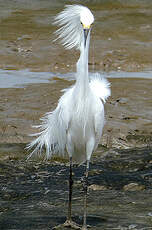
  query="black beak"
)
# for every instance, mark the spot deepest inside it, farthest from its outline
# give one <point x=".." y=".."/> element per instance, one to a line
<point x="86" y="31"/>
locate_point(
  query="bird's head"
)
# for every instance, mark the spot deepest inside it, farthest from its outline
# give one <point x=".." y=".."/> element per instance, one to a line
<point x="86" y="19"/>
<point x="75" y="22"/>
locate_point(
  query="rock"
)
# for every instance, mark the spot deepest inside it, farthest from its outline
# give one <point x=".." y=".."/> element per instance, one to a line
<point x="96" y="187"/>
<point x="133" y="187"/>
<point x="122" y="100"/>
<point x="132" y="226"/>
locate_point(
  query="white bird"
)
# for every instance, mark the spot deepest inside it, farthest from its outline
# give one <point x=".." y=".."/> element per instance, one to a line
<point x="75" y="126"/>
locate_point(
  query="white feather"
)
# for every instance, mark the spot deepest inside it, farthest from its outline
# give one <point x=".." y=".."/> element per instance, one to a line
<point x="52" y="135"/>
<point x="75" y="126"/>
<point x="71" y="30"/>
<point x="100" y="86"/>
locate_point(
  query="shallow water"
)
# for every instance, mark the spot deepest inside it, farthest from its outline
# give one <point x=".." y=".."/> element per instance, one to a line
<point x="22" y="78"/>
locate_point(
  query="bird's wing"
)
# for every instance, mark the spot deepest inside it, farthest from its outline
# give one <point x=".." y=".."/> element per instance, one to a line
<point x="53" y="128"/>
<point x="100" y="86"/>
<point x="99" y="124"/>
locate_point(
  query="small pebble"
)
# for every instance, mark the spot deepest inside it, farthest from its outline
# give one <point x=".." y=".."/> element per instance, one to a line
<point x="150" y="214"/>
<point x="132" y="226"/>
<point x="133" y="187"/>
<point x="96" y="187"/>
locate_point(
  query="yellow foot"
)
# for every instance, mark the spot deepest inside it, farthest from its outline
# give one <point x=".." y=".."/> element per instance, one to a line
<point x="84" y="227"/>
<point x="67" y="224"/>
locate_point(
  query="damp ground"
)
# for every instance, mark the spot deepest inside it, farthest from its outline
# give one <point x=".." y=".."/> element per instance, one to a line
<point x="34" y="194"/>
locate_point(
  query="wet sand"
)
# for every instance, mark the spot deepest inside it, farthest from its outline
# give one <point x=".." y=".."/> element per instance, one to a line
<point x="121" y="36"/>
<point x="34" y="195"/>
<point x="127" y="112"/>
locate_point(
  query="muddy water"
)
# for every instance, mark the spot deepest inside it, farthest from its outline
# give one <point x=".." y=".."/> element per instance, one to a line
<point x="33" y="195"/>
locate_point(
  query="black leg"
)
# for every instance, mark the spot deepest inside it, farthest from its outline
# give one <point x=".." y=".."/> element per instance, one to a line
<point x="85" y="186"/>
<point x="70" y="190"/>
<point x="69" y="223"/>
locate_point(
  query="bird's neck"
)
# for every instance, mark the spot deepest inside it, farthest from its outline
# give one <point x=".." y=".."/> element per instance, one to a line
<point x="82" y="78"/>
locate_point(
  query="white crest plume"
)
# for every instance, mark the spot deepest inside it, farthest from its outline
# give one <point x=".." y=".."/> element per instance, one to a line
<point x="71" y="30"/>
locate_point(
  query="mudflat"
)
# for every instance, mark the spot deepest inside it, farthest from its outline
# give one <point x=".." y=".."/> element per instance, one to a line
<point x="127" y="112"/>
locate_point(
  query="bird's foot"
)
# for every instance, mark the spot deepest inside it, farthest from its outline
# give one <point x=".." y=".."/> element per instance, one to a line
<point x="71" y="224"/>
<point x="67" y="224"/>
<point x="85" y="227"/>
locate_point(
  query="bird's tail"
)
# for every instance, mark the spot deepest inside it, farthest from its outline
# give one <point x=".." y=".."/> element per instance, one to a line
<point x="51" y="136"/>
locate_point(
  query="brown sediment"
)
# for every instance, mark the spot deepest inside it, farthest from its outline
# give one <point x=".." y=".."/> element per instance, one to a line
<point x="128" y="111"/>
<point x="121" y="37"/>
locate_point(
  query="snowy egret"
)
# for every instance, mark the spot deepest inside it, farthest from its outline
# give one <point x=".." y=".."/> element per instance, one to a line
<point x="75" y="126"/>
